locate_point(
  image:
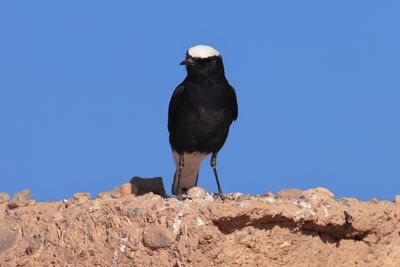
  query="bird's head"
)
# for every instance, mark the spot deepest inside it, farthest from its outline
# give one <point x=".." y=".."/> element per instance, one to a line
<point x="203" y="60"/>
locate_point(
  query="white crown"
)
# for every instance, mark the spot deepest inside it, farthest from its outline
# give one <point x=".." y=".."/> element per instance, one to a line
<point x="202" y="51"/>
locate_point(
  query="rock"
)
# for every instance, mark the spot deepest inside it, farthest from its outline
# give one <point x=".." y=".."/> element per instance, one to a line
<point x="253" y="231"/>
<point x="158" y="205"/>
<point x="134" y="212"/>
<point x="8" y="238"/>
<point x="244" y="197"/>
<point x="290" y="193"/>
<point x="196" y="193"/>
<point x="104" y="195"/>
<point x="318" y="193"/>
<point x="93" y="209"/>
<point x="124" y="190"/>
<point x="82" y="197"/>
<point x="158" y="236"/>
<point x="33" y="246"/>
<point x="4" y="197"/>
<point x="233" y="196"/>
<point x="374" y="200"/>
<point x="397" y="199"/>
<point x="285" y="244"/>
<point x="147" y="185"/>
<point x="21" y="199"/>
<point x="269" y="194"/>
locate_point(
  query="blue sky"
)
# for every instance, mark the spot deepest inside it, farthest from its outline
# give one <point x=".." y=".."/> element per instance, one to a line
<point x="85" y="87"/>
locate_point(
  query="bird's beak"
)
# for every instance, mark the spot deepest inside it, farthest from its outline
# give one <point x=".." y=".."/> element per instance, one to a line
<point x="188" y="62"/>
<point x="183" y="62"/>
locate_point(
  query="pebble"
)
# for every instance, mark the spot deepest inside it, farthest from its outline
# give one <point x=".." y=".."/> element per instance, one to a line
<point x="318" y="193"/>
<point x="158" y="236"/>
<point x="134" y="212"/>
<point x="124" y="190"/>
<point x="196" y="193"/>
<point x="104" y="195"/>
<point x="146" y="185"/>
<point x="269" y="194"/>
<point x="234" y="196"/>
<point x="33" y="246"/>
<point x="4" y="197"/>
<point x="290" y="193"/>
<point x="82" y="197"/>
<point x="8" y="238"/>
<point x="93" y="209"/>
<point x="21" y="199"/>
<point x="375" y="200"/>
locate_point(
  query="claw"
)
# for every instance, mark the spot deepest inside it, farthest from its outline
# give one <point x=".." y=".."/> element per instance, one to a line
<point x="181" y="197"/>
<point x="220" y="196"/>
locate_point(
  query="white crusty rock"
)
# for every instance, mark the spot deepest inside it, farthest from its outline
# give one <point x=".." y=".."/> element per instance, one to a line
<point x="197" y="193"/>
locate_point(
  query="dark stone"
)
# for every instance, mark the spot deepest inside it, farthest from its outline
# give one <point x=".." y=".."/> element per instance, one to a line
<point x="147" y="185"/>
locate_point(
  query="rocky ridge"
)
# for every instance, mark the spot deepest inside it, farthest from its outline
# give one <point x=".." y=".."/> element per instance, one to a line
<point x="132" y="227"/>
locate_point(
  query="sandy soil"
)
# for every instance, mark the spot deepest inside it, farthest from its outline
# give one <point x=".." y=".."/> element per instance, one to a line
<point x="118" y="228"/>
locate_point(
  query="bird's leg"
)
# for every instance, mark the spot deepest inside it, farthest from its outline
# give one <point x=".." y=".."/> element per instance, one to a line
<point x="214" y="166"/>
<point x="180" y="170"/>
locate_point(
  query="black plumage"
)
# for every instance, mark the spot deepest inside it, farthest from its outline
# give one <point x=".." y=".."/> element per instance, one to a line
<point x="200" y="113"/>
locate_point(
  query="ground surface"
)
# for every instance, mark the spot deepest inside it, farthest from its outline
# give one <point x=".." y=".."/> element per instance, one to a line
<point x="293" y="228"/>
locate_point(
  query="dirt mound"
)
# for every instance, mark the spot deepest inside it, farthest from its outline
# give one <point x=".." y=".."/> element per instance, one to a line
<point x="293" y="228"/>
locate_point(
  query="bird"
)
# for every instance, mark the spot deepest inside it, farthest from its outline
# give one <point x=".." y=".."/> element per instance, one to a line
<point x="200" y="113"/>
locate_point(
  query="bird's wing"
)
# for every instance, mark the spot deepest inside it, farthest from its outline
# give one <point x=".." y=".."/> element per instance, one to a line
<point x="174" y="104"/>
<point x="233" y="101"/>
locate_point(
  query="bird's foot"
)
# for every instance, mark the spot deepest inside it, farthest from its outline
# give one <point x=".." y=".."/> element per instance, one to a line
<point x="220" y="196"/>
<point x="181" y="195"/>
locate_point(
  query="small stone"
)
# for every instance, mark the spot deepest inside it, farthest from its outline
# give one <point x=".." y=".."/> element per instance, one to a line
<point x="290" y="193"/>
<point x="244" y="197"/>
<point x="285" y="244"/>
<point x="319" y="193"/>
<point x="116" y="194"/>
<point x="397" y="199"/>
<point x="375" y="200"/>
<point x="33" y="246"/>
<point x="196" y="193"/>
<point x="4" y="197"/>
<point x="158" y="236"/>
<point x="243" y="236"/>
<point x="147" y="185"/>
<point x="82" y="197"/>
<point x="134" y="212"/>
<point x="199" y="222"/>
<point x="94" y="208"/>
<point x="323" y="192"/>
<point x="8" y="238"/>
<point x="269" y="194"/>
<point x="233" y="196"/>
<point x="104" y="195"/>
<point x="124" y="190"/>
<point x="268" y="199"/>
<point x="304" y="204"/>
<point x="158" y="205"/>
<point x="21" y="199"/>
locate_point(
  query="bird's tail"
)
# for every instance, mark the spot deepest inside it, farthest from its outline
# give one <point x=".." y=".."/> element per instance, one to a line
<point x="190" y="172"/>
